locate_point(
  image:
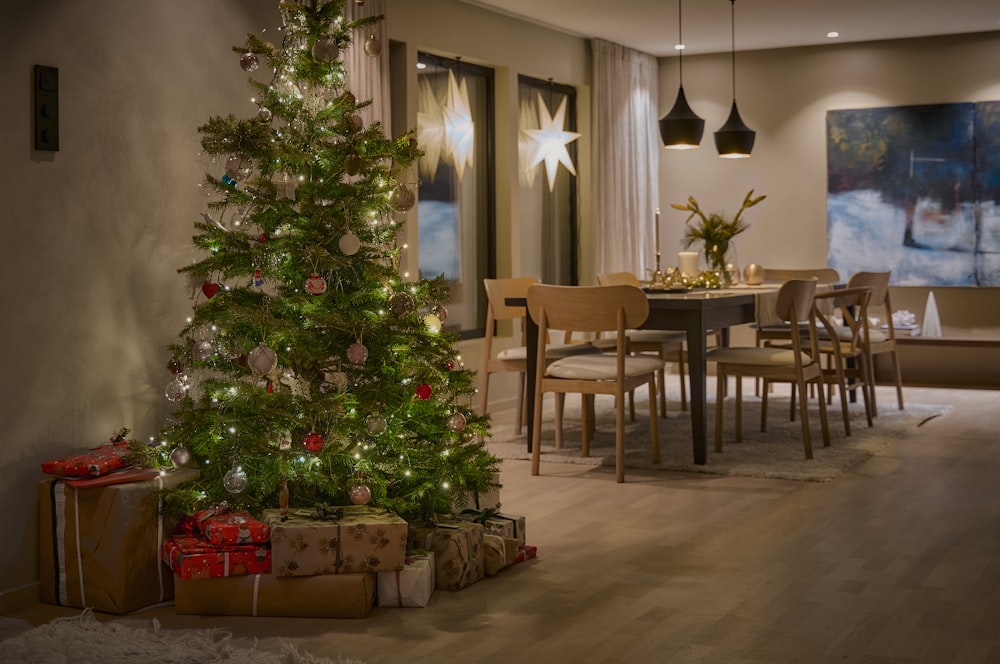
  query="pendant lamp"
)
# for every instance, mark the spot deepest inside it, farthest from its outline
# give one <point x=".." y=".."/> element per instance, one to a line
<point x="681" y="129"/>
<point x="734" y="140"/>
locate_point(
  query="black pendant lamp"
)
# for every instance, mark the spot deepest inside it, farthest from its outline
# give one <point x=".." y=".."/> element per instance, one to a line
<point x="681" y="129"/>
<point x="734" y="140"/>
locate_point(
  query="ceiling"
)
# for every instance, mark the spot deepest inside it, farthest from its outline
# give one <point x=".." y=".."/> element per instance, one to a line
<point x="651" y="25"/>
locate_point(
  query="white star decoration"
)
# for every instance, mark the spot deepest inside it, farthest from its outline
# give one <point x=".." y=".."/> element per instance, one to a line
<point x="430" y="130"/>
<point x="459" y="130"/>
<point x="551" y="141"/>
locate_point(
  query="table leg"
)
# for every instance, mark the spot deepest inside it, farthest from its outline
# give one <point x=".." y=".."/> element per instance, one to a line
<point x="531" y="343"/>
<point x="697" y="368"/>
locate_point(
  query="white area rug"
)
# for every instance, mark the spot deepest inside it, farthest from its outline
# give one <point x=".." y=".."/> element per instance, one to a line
<point x="85" y="640"/>
<point x="778" y="453"/>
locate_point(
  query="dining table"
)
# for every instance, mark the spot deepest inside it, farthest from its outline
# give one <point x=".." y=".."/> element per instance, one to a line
<point x="697" y="312"/>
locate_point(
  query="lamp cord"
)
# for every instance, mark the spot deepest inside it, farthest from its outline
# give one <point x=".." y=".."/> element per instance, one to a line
<point x="732" y="25"/>
<point x="680" y="44"/>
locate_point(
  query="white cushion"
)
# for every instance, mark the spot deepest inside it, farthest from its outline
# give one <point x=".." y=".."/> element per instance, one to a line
<point x="768" y="356"/>
<point x="601" y="367"/>
<point x="552" y="350"/>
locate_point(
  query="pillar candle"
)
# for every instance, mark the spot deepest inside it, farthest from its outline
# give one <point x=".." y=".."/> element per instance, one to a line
<point x="688" y="262"/>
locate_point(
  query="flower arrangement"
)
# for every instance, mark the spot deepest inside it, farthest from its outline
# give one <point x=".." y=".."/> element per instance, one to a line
<point x="715" y="230"/>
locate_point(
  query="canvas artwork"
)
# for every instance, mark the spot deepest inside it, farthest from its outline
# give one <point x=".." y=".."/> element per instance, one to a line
<point x="914" y="190"/>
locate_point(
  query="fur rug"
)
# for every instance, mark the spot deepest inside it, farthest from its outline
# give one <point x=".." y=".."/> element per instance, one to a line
<point x="778" y="453"/>
<point x="85" y="640"/>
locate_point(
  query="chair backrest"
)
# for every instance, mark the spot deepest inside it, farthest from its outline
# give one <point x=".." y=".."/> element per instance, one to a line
<point x="618" y="279"/>
<point x="588" y="308"/>
<point x="877" y="281"/>
<point x="852" y="306"/>
<point x="498" y="290"/>
<point x="795" y="300"/>
<point x="824" y="275"/>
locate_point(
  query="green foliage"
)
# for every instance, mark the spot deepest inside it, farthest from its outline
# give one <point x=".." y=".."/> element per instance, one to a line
<point x="714" y="230"/>
<point x="288" y="187"/>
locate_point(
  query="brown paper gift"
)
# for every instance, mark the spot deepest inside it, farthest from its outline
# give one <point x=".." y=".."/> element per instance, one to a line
<point x="324" y="596"/>
<point x="99" y="547"/>
<point x="359" y="538"/>
<point x="499" y="552"/>
<point x="458" y="552"/>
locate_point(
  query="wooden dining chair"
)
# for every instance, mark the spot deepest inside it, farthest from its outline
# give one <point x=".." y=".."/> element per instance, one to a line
<point x="668" y="345"/>
<point x="797" y="363"/>
<point x="880" y="340"/>
<point x="842" y="327"/>
<point x="593" y="309"/>
<point x="515" y="358"/>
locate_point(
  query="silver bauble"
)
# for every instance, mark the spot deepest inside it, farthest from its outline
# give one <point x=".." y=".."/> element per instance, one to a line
<point x="180" y="457"/>
<point x="325" y="50"/>
<point x="235" y="480"/>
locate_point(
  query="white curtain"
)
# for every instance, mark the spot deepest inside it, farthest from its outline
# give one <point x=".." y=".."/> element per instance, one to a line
<point x="626" y="158"/>
<point x="367" y="76"/>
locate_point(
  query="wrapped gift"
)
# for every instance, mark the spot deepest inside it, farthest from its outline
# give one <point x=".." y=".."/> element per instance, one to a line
<point x="92" y="463"/>
<point x="194" y="557"/>
<point x="497" y="523"/>
<point x="458" y="552"/>
<point x="222" y="526"/>
<point x="411" y="586"/>
<point x="341" y="540"/>
<point x="525" y="552"/>
<point x="99" y="547"/>
<point x="323" y="596"/>
<point x="487" y="500"/>
<point x="498" y="552"/>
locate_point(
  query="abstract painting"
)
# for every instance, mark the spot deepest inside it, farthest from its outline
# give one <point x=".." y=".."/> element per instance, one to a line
<point x="914" y="190"/>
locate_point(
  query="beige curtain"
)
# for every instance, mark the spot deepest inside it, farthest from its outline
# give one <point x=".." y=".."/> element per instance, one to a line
<point x="626" y="158"/>
<point x="367" y="76"/>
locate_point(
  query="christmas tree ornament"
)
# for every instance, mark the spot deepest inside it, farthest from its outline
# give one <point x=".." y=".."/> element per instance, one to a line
<point x="376" y="424"/>
<point x="315" y="284"/>
<point x="401" y="305"/>
<point x="325" y="50"/>
<point x="402" y="198"/>
<point x="313" y="442"/>
<point x="235" y="480"/>
<point x="175" y="390"/>
<point x="373" y="47"/>
<point x="439" y="311"/>
<point x="349" y="244"/>
<point x="249" y="61"/>
<point x="238" y="168"/>
<point x="285" y="440"/>
<point x="262" y="359"/>
<point x="357" y="353"/>
<point x="457" y="422"/>
<point x="360" y="494"/>
<point x="180" y="457"/>
<point x="449" y="365"/>
<point x="432" y="323"/>
<point x="352" y="164"/>
<point x="210" y="289"/>
<point x="356" y="122"/>
<point x="264" y="114"/>
<point x="258" y="278"/>
<point x="203" y="350"/>
<point x="424" y="391"/>
<point x="176" y="366"/>
<point x="336" y="379"/>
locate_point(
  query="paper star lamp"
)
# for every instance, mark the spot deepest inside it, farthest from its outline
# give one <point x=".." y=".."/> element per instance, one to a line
<point x="526" y="146"/>
<point x="430" y="129"/>
<point x="459" y="130"/>
<point x="552" y="140"/>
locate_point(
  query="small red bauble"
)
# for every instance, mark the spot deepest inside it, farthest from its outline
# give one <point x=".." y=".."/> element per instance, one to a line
<point x="209" y="289"/>
<point x="313" y="442"/>
<point x="450" y="364"/>
<point x="424" y="391"/>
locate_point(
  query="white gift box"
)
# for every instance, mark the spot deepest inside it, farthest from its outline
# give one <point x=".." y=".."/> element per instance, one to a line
<point x="411" y="586"/>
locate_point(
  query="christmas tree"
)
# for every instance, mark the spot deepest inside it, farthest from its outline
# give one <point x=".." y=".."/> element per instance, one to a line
<point x="308" y="364"/>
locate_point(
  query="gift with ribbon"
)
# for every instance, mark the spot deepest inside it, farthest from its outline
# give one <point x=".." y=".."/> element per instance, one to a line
<point x="459" y="556"/>
<point x="222" y="525"/>
<point x="411" y="586"/>
<point x="336" y="540"/>
<point x="195" y="557"/>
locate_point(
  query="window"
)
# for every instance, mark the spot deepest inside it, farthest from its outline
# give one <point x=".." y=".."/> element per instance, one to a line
<point x="456" y="218"/>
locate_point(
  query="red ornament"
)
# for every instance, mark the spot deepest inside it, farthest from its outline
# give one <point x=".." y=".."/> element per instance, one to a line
<point x="209" y="289"/>
<point x="424" y="391"/>
<point x="176" y="367"/>
<point x="313" y="442"/>
<point x="315" y="284"/>
<point x="450" y="364"/>
<point x="262" y="238"/>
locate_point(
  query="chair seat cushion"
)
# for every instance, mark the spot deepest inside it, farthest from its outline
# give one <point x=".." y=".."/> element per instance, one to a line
<point x="601" y="367"/>
<point x="768" y="356"/>
<point x="552" y="351"/>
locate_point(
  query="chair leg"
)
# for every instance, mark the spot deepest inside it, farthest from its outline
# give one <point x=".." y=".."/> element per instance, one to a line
<point x="739" y="409"/>
<point x="899" y="379"/>
<point x="654" y="425"/>
<point x="683" y="378"/>
<point x="586" y="415"/>
<point x="804" y="409"/>
<point x="824" y="420"/>
<point x="536" y="433"/>
<point x="720" y="395"/>
<point x="620" y="434"/>
<point x="765" y="389"/>
<point x="519" y="421"/>
<point x="560" y="399"/>
<point x="631" y="405"/>
<point x="662" y="389"/>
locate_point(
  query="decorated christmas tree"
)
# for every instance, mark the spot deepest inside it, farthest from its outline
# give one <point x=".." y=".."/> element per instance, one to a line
<point x="310" y="370"/>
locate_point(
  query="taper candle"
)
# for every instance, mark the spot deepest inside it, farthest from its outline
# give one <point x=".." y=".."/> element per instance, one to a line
<point x="657" y="237"/>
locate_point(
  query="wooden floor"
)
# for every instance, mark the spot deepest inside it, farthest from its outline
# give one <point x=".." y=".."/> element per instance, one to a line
<point x="896" y="561"/>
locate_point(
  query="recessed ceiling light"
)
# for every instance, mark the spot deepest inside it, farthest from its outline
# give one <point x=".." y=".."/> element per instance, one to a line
<point x="679" y="47"/>
<point x="833" y="34"/>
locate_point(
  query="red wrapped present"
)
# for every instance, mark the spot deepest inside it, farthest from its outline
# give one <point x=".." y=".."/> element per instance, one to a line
<point x="194" y="557"/>
<point x="525" y="552"/>
<point x="92" y="463"/>
<point x="222" y="526"/>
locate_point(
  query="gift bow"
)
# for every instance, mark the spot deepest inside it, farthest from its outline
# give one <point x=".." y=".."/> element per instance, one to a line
<point x="327" y="513"/>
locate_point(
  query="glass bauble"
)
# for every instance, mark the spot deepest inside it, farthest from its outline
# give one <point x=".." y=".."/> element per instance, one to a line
<point x="203" y="350"/>
<point x="249" y="61"/>
<point x="360" y="494"/>
<point x="439" y="311"/>
<point x="325" y="50"/>
<point x="262" y="360"/>
<point x="337" y="379"/>
<point x="432" y="323"/>
<point x="349" y="244"/>
<point x="424" y="391"/>
<point x="235" y="479"/>
<point x="376" y="424"/>
<point x="457" y="422"/>
<point x="357" y="353"/>
<point x="313" y="442"/>
<point x="401" y="304"/>
<point x="373" y="47"/>
<point x="237" y="167"/>
<point x="175" y="390"/>
<point x="264" y="114"/>
<point x="180" y="457"/>
<point x="402" y="198"/>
